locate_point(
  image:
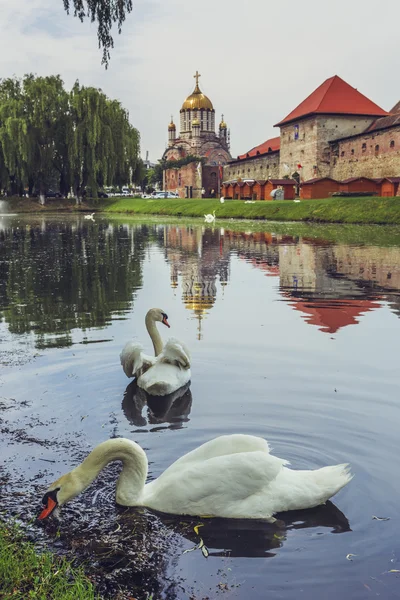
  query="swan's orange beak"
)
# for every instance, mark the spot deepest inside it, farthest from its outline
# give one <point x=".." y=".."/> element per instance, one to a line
<point x="51" y="505"/>
<point x="165" y="321"/>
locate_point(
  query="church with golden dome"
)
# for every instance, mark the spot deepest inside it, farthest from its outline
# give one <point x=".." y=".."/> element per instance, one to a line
<point x="189" y="176"/>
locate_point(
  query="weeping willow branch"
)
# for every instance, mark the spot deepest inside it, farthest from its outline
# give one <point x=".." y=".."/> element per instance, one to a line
<point x="105" y="13"/>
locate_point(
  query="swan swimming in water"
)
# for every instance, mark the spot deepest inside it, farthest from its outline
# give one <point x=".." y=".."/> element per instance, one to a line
<point x="231" y="476"/>
<point x="166" y="371"/>
<point x="91" y="217"/>
<point x="209" y="218"/>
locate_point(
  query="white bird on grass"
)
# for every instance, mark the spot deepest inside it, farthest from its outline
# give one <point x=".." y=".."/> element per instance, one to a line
<point x="210" y="218"/>
<point x="296" y="200"/>
<point x="222" y="199"/>
<point x="232" y="476"/>
<point x="91" y="217"/>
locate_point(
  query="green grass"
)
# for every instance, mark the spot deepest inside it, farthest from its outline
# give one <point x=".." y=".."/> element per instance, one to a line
<point x="332" y="210"/>
<point x="367" y="210"/>
<point x="26" y="574"/>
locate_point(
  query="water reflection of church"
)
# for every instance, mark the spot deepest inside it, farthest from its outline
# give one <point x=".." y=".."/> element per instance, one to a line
<point x="331" y="285"/>
<point x="201" y="258"/>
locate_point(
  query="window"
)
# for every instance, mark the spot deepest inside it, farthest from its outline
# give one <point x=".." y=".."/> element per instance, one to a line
<point x="352" y="151"/>
<point x="377" y="150"/>
<point x="364" y="148"/>
<point x="392" y="143"/>
<point x="342" y="153"/>
<point x="296" y="132"/>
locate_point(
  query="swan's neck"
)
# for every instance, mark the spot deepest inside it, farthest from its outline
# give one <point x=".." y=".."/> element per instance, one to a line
<point x="154" y="334"/>
<point x="134" y="471"/>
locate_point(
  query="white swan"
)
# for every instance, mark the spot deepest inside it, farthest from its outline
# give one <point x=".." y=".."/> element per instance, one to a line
<point x="296" y="200"/>
<point x="163" y="373"/>
<point x="209" y="218"/>
<point x="232" y="476"/>
<point x="91" y="217"/>
<point x="222" y="199"/>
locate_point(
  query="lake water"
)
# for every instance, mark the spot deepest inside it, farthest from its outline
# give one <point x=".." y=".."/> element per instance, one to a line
<point x="294" y="333"/>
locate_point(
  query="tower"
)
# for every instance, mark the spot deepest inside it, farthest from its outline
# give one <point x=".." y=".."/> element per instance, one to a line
<point x="223" y="131"/>
<point x="197" y="107"/>
<point x="200" y="150"/>
<point x="171" y="133"/>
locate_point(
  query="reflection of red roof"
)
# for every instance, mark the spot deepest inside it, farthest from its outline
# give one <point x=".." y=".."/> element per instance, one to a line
<point x="272" y="145"/>
<point x="335" y="97"/>
<point x="330" y="315"/>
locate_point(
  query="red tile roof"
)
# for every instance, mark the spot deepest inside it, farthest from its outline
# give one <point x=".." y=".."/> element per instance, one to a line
<point x="316" y="179"/>
<point x="393" y="120"/>
<point x="351" y="179"/>
<point x="271" y="145"/>
<point x="282" y="181"/>
<point x="335" y="97"/>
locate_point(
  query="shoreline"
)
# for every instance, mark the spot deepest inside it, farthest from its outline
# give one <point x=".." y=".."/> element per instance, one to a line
<point x="363" y="210"/>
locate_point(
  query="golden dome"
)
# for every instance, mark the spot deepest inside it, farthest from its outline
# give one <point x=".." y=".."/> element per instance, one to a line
<point x="223" y="125"/>
<point x="171" y="126"/>
<point x="195" y="123"/>
<point x="197" y="100"/>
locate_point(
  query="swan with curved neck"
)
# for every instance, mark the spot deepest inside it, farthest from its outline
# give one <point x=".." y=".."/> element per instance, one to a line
<point x="168" y="370"/>
<point x="232" y="476"/>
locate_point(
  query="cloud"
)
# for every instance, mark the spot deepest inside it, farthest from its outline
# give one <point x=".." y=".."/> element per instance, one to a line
<point x="258" y="59"/>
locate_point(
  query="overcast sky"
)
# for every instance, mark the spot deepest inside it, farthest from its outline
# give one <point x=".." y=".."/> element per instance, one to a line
<point x="258" y="59"/>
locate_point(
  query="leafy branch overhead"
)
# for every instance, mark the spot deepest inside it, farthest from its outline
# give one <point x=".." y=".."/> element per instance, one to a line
<point x="105" y="13"/>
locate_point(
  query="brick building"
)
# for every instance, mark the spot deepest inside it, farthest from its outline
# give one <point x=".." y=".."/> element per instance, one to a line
<point x="197" y="138"/>
<point x="336" y="133"/>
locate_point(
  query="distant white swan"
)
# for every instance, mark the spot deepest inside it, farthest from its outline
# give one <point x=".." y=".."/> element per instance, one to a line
<point x="91" y="217"/>
<point x="232" y="476"/>
<point x="163" y="373"/>
<point x="296" y="200"/>
<point x="209" y="218"/>
<point x="222" y="199"/>
<point x="249" y="201"/>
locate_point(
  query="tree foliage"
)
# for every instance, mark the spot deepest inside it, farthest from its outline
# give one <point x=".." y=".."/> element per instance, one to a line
<point x="52" y="138"/>
<point x="105" y="13"/>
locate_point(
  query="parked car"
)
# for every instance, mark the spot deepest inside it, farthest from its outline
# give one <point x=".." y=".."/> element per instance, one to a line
<point x="51" y="194"/>
<point x="165" y="195"/>
<point x="88" y="192"/>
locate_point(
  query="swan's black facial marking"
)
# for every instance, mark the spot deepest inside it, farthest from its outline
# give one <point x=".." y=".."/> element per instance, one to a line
<point x="49" y="502"/>
<point x="165" y="319"/>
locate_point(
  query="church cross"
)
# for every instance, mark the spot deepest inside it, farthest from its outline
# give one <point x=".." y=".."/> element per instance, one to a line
<point x="197" y="77"/>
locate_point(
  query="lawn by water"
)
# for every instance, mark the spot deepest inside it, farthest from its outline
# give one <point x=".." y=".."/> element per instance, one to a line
<point x="332" y="210"/>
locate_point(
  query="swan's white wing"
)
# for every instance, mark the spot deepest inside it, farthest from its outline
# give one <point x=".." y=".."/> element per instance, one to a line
<point x="232" y="486"/>
<point x="133" y="360"/>
<point x="175" y="353"/>
<point x="223" y="445"/>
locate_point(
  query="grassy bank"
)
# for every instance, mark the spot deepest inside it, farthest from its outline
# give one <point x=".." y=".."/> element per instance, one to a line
<point x="26" y="574"/>
<point x="333" y="210"/>
<point x="370" y="210"/>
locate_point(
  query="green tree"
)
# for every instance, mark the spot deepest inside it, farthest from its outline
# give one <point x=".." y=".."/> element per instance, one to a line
<point x="104" y="147"/>
<point x="105" y="13"/>
<point x="51" y="138"/>
<point x="46" y="109"/>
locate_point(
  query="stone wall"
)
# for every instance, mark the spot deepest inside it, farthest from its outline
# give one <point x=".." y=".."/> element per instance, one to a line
<point x="262" y="167"/>
<point x="306" y="142"/>
<point x="371" y="155"/>
<point x="181" y="180"/>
